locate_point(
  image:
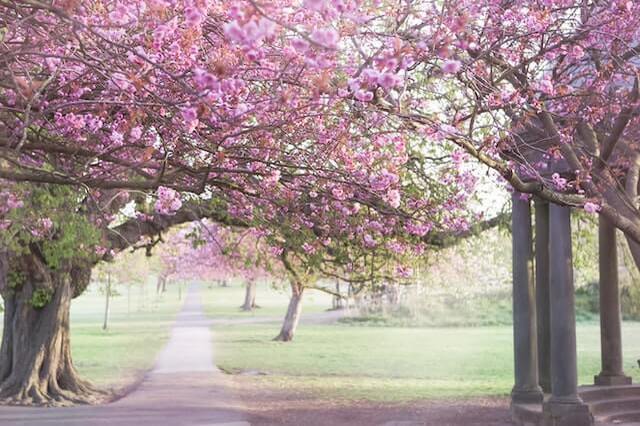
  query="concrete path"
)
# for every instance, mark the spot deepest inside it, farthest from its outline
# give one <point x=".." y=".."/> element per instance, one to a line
<point x="185" y="388"/>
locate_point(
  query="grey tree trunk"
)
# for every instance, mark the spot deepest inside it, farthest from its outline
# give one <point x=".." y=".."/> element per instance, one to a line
<point x="35" y="354"/>
<point x="105" y="324"/>
<point x="293" y="314"/>
<point x="249" y="296"/>
<point x="337" y="302"/>
<point x="161" y="284"/>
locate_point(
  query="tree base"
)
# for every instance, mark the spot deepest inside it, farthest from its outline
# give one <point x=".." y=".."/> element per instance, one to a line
<point x="246" y="309"/>
<point x="35" y="354"/>
<point x="53" y="394"/>
<point x="283" y="338"/>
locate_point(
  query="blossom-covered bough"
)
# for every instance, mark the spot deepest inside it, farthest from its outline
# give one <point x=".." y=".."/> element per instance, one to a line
<point x="207" y="251"/>
<point x="528" y="88"/>
<point x="294" y="119"/>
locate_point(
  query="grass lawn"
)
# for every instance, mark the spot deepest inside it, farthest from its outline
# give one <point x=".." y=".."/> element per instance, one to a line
<point x="224" y="302"/>
<point x="395" y="364"/>
<point x="138" y="328"/>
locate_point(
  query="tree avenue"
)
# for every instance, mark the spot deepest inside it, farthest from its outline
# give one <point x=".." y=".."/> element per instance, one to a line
<point x="156" y="106"/>
<point x="339" y="135"/>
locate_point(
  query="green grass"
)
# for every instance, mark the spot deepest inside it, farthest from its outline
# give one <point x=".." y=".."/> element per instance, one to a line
<point x="224" y="302"/>
<point x="138" y="328"/>
<point x="395" y="364"/>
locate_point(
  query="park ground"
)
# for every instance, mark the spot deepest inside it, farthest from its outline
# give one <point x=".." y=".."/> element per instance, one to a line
<point x="334" y="372"/>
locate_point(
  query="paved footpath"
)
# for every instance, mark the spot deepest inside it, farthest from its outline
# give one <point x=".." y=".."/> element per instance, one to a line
<point x="185" y="388"/>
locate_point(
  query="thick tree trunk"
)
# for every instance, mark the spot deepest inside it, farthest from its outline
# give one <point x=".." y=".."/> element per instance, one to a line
<point x="293" y="314"/>
<point x="35" y="355"/>
<point x="249" y="296"/>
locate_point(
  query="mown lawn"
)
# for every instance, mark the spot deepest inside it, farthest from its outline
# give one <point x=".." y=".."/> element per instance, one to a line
<point x="138" y="328"/>
<point x="394" y="364"/>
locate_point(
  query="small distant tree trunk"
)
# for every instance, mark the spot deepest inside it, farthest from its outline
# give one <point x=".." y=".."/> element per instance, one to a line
<point x="338" y="299"/>
<point x="128" y="299"/>
<point x="105" y="325"/>
<point x="180" y="291"/>
<point x="142" y="301"/>
<point x="249" y="296"/>
<point x="293" y="314"/>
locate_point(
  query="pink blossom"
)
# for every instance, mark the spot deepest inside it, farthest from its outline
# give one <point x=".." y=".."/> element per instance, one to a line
<point x="308" y="248"/>
<point x="327" y="37"/>
<point x="393" y="198"/>
<point x="364" y="95"/>
<point x="300" y="45"/>
<point x="234" y="31"/>
<point x="451" y="66"/>
<point x="276" y="251"/>
<point x="317" y="5"/>
<point x="403" y="271"/>
<point x="576" y="52"/>
<point x="524" y="196"/>
<point x="592" y="208"/>
<point x="193" y="16"/>
<point x="9" y="201"/>
<point x="388" y="80"/>
<point x="45" y="223"/>
<point x="559" y="183"/>
<point x="42" y="227"/>
<point x="204" y="79"/>
<point x="546" y="86"/>
<point x="168" y="201"/>
<point x="418" y="229"/>
<point x="338" y="193"/>
<point x="117" y="138"/>
<point x="190" y="117"/>
<point x="136" y="133"/>
<point x="369" y="241"/>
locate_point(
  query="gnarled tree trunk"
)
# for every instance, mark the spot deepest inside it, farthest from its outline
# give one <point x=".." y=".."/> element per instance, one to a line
<point x="293" y="314"/>
<point x="35" y="355"/>
<point x="249" y="296"/>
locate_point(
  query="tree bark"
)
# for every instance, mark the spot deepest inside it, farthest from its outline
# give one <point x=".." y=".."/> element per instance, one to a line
<point x="293" y="314"/>
<point x="35" y="354"/>
<point x="105" y="325"/>
<point x="249" y="296"/>
<point x="161" y="284"/>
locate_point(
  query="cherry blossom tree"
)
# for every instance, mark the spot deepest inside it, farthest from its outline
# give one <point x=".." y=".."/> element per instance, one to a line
<point x="204" y="250"/>
<point x="201" y="109"/>
<point x="50" y="241"/>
